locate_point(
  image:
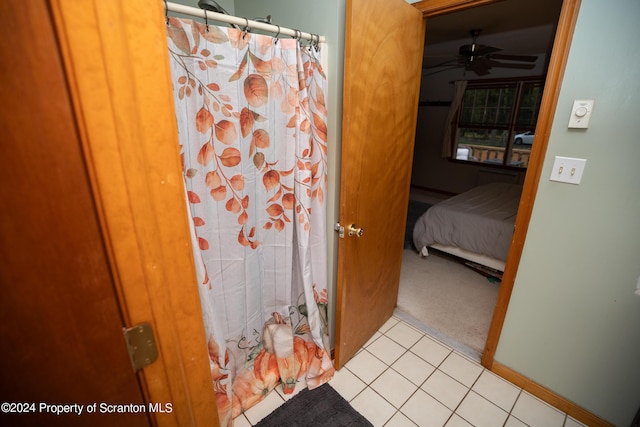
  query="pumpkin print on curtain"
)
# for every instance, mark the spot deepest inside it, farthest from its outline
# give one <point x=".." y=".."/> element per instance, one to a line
<point x="251" y="119"/>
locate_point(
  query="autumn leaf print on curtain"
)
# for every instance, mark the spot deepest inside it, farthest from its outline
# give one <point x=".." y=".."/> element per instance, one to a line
<point x="251" y="116"/>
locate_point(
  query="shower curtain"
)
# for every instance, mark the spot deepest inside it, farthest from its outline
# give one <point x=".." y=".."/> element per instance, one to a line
<point x="251" y="119"/>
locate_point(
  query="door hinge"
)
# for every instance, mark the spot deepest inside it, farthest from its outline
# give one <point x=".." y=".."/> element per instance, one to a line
<point x="142" y="345"/>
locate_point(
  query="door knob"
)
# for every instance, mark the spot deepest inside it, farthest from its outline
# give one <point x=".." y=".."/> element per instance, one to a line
<point x="354" y="231"/>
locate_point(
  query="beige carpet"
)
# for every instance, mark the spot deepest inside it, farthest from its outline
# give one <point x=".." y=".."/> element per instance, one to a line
<point x="448" y="297"/>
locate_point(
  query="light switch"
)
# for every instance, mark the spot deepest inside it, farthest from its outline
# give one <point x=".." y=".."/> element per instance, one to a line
<point x="581" y="113"/>
<point x="567" y="169"/>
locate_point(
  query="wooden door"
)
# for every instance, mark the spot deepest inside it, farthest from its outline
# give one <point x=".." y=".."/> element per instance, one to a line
<point x="62" y="341"/>
<point x="383" y="55"/>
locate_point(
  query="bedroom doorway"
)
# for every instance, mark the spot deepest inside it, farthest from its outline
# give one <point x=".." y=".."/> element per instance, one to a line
<point x="442" y="295"/>
<point x="463" y="178"/>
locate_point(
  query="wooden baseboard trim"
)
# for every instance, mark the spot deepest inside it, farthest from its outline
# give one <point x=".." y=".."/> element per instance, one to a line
<point x="549" y="396"/>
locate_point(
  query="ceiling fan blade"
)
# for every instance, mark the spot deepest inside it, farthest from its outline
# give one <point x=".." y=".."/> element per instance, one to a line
<point x="523" y="58"/>
<point x="487" y="50"/>
<point x="452" y="67"/>
<point x="480" y="71"/>
<point x="453" y="61"/>
<point x="511" y="65"/>
<point x="429" y="54"/>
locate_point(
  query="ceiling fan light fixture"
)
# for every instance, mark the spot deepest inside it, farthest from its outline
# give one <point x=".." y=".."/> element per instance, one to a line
<point x="480" y="59"/>
<point x="470" y="49"/>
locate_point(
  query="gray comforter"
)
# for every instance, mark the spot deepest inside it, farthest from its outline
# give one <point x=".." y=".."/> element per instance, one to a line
<point x="480" y="220"/>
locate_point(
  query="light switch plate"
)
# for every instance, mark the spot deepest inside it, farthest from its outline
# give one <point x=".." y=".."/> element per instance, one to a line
<point x="581" y="113"/>
<point x="567" y="169"/>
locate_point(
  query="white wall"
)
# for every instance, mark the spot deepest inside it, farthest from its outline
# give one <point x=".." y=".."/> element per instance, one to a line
<point x="573" y="323"/>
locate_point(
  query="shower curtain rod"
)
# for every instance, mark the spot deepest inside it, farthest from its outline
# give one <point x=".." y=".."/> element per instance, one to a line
<point x="243" y="22"/>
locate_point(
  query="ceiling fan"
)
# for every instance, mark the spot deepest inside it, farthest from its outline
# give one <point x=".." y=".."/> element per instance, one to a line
<point x="480" y="59"/>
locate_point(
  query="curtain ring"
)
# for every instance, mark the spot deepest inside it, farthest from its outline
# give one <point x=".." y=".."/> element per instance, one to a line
<point x="276" y="36"/>
<point x="245" y="30"/>
<point x="206" y="20"/>
<point x="298" y="35"/>
<point x="166" y="13"/>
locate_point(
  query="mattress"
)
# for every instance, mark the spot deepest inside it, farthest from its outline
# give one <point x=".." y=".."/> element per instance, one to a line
<point x="480" y="220"/>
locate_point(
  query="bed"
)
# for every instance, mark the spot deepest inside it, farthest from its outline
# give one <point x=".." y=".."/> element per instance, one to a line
<point x="476" y="225"/>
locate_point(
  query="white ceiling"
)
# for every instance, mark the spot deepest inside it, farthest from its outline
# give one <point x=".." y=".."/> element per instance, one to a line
<point x="518" y="27"/>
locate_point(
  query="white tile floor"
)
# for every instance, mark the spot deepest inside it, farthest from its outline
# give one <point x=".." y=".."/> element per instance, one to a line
<point x="404" y="377"/>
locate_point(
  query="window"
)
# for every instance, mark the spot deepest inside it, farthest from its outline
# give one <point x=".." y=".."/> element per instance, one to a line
<point x="497" y="120"/>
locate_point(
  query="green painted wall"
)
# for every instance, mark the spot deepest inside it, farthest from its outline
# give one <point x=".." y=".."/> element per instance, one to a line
<point x="573" y="323"/>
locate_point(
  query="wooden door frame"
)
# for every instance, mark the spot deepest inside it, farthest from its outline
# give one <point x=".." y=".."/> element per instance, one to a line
<point x="116" y="63"/>
<point x="555" y="73"/>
